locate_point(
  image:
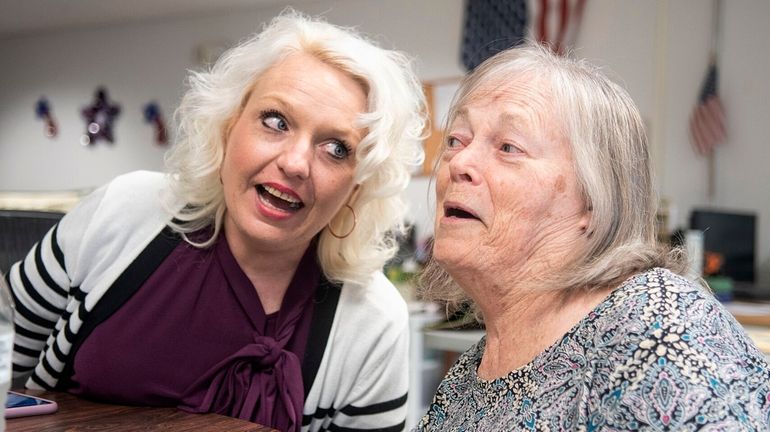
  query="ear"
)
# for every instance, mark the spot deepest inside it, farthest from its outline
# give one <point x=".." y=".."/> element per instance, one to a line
<point x="227" y="129"/>
<point x="354" y="194"/>
<point x="585" y="219"/>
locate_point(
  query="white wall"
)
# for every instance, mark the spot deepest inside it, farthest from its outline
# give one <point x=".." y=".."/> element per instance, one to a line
<point x="147" y="61"/>
<point x="658" y="49"/>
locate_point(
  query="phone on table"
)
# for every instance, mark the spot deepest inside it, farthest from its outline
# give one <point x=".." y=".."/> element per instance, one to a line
<point x="21" y="405"/>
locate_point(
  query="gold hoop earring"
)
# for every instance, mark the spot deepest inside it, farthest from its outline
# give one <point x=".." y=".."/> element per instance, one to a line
<point x="329" y="226"/>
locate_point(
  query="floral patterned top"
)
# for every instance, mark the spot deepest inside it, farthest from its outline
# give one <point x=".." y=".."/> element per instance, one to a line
<point x="658" y="354"/>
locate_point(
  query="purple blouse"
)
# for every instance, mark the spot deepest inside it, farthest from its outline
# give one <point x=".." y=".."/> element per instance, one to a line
<point x="195" y="336"/>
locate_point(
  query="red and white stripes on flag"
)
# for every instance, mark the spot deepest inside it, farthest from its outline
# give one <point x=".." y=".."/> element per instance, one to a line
<point x="707" y="122"/>
<point x="557" y="22"/>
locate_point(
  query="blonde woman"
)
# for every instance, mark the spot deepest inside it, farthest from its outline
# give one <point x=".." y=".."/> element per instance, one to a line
<point x="247" y="280"/>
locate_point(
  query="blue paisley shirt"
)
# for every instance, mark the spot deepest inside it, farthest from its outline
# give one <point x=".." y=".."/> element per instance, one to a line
<point x="659" y="354"/>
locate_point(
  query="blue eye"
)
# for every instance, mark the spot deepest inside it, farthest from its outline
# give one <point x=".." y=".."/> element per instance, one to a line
<point x="274" y="120"/>
<point x="338" y="150"/>
<point x="509" y="148"/>
<point x="452" y="142"/>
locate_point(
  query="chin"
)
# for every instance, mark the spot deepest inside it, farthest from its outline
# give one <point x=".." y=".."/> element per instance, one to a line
<point x="446" y="252"/>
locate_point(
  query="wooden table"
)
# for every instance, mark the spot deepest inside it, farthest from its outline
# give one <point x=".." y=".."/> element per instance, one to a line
<point x="79" y="415"/>
<point x="452" y="340"/>
<point x="751" y="314"/>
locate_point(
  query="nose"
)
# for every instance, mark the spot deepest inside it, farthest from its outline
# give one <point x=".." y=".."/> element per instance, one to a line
<point x="467" y="163"/>
<point x="295" y="158"/>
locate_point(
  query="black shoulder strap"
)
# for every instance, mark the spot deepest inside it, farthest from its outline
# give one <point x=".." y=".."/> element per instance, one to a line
<point x="125" y="286"/>
<point x="327" y="297"/>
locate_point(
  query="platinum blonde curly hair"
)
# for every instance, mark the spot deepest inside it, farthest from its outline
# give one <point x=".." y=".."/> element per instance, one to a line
<point x="612" y="163"/>
<point x="391" y="148"/>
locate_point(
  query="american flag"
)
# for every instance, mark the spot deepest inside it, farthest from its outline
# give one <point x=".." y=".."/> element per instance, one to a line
<point x="492" y="26"/>
<point x="557" y="22"/>
<point x="707" y="123"/>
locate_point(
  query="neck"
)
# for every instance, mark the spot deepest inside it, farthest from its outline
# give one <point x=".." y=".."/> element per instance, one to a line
<point x="524" y="320"/>
<point x="269" y="270"/>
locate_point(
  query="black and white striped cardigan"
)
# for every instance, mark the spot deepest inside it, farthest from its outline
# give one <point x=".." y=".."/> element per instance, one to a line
<point x="90" y="263"/>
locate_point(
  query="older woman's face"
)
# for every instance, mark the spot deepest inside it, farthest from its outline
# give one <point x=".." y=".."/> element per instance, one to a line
<point x="507" y="192"/>
<point x="289" y="157"/>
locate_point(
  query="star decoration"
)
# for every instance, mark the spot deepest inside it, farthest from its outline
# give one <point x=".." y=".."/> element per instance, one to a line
<point x="99" y="117"/>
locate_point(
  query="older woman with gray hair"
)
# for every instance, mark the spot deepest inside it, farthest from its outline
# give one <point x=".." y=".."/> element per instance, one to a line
<point x="546" y="225"/>
<point x="247" y="281"/>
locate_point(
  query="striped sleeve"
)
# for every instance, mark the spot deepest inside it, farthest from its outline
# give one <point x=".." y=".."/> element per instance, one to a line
<point x="378" y="400"/>
<point x="39" y="286"/>
<point x="390" y="416"/>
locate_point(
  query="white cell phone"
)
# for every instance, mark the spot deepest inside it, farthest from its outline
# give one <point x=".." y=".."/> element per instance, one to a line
<point x="21" y="405"/>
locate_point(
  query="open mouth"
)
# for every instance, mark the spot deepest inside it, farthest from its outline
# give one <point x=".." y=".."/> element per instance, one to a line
<point x="454" y="212"/>
<point x="279" y="200"/>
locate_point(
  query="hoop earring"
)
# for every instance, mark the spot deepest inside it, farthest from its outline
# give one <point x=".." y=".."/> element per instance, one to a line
<point x="329" y="226"/>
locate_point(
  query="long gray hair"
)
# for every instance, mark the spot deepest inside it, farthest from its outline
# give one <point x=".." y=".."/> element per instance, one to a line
<point x="612" y="163"/>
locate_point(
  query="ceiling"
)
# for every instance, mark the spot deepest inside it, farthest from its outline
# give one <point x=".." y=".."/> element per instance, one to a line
<point x="21" y="17"/>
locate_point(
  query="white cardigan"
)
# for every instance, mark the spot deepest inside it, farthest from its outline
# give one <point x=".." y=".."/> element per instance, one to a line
<point x="361" y="382"/>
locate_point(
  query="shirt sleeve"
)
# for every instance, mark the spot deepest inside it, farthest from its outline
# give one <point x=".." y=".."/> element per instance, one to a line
<point x="705" y="373"/>
<point x="378" y="401"/>
<point x="41" y="287"/>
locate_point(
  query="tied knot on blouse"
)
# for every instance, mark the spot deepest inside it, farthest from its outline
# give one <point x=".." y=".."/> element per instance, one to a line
<point x="266" y="351"/>
<point x="257" y="377"/>
<point x="261" y="381"/>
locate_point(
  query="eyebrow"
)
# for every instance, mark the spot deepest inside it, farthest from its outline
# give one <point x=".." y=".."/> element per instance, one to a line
<point x="517" y="122"/>
<point x="505" y="119"/>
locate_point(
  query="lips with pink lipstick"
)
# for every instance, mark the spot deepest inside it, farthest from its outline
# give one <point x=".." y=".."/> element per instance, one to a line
<point x="283" y="200"/>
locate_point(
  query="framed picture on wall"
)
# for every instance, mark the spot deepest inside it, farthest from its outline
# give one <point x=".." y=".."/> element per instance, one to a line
<point x="438" y="94"/>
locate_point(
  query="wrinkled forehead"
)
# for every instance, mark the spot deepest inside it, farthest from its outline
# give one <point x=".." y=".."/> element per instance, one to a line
<point x="526" y="97"/>
<point x="512" y="88"/>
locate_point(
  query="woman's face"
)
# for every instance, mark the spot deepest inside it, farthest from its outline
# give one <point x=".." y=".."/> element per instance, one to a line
<point x="290" y="155"/>
<point x="508" y="198"/>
